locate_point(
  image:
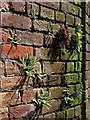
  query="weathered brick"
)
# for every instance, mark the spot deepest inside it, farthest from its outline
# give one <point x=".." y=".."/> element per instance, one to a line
<point x="88" y="77"/>
<point x="40" y="25"/>
<point x="47" y="13"/>
<point x="9" y="98"/>
<point x="55" y="67"/>
<point x="4" y="34"/>
<point x="13" y="20"/>
<point x="88" y="65"/>
<point x="42" y="53"/>
<point x="87" y="56"/>
<point x="77" y="20"/>
<point x="55" y="105"/>
<point x="78" y="111"/>
<point x="4" y="113"/>
<point x="55" y="28"/>
<point x="4" y="116"/>
<point x="55" y="5"/>
<point x="54" y="80"/>
<point x="88" y="47"/>
<point x="61" y="115"/>
<point x="60" y="16"/>
<point x="4" y="4"/>
<point x="14" y="52"/>
<point x="17" y="6"/>
<point x="21" y="110"/>
<point x="48" y="40"/>
<point x="56" y="92"/>
<point x="50" y="116"/>
<point x="87" y="28"/>
<point x="64" y="6"/>
<point x="70" y="19"/>
<point x="12" y="67"/>
<point x="28" y="95"/>
<point x="12" y="83"/>
<point x="32" y="6"/>
<point x="1" y="68"/>
<point x="30" y="38"/>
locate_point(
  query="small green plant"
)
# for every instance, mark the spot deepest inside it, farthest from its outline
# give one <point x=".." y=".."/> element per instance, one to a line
<point x="68" y="99"/>
<point x="12" y="38"/>
<point x="28" y="65"/>
<point x="42" y="99"/>
<point x="32" y="14"/>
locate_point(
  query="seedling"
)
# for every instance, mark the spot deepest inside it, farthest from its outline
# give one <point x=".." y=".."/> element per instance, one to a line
<point x="42" y="100"/>
<point x="12" y="38"/>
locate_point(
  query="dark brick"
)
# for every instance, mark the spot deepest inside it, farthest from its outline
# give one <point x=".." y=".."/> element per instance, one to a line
<point x="55" y="67"/>
<point x="13" y="20"/>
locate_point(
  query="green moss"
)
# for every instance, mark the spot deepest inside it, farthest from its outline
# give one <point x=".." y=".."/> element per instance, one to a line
<point x="74" y="56"/>
<point x="70" y="113"/>
<point x="70" y="67"/>
<point x="78" y="66"/>
<point x="71" y="78"/>
<point x="80" y="77"/>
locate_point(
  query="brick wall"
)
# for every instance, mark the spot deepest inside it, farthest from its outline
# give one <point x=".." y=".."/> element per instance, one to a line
<point x="15" y="91"/>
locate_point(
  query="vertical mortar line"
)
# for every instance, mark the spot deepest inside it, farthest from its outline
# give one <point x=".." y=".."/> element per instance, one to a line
<point x="84" y="61"/>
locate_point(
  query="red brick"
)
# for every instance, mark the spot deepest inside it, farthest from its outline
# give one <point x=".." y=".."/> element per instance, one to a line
<point x="17" y="6"/>
<point x="4" y="35"/>
<point x="29" y="95"/>
<point x="13" y="20"/>
<point x="30" y="38"/>
<point x="21" y="111"/>
<point x="15" y="52"/>
<point x="55" y="67"/>
<point x="9" y="98"/>
<point x="40" y="25"/>
<point x="47" y="13"/>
